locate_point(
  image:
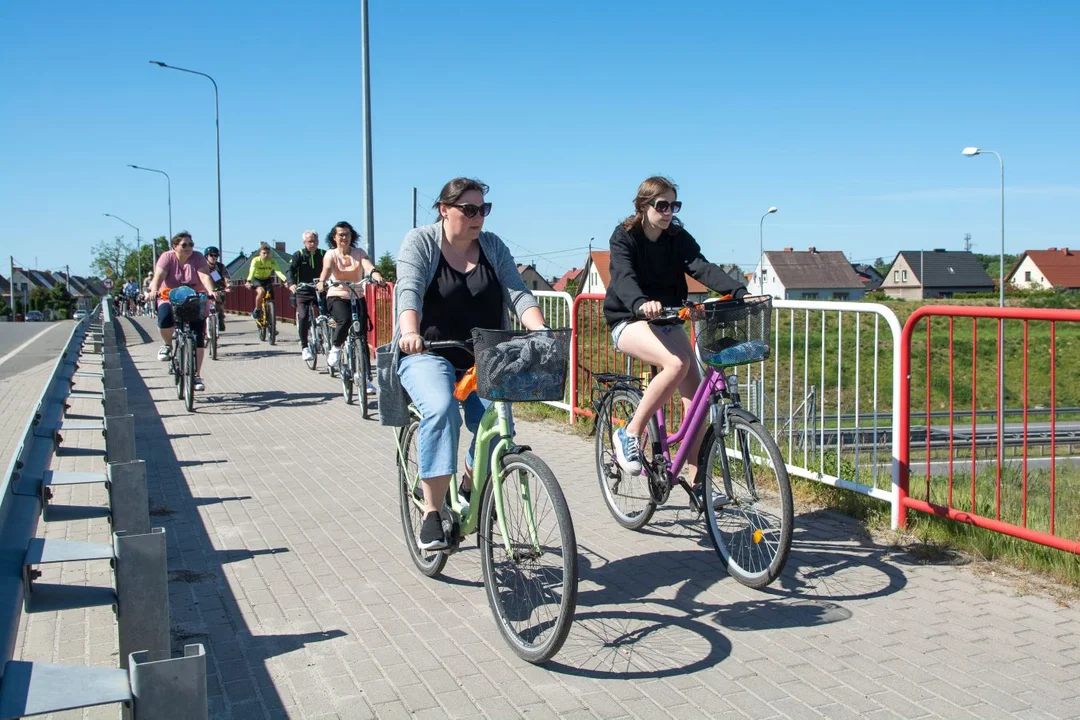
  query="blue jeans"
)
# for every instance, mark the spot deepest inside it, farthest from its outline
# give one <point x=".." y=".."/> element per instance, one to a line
<point x="429" y="379"/>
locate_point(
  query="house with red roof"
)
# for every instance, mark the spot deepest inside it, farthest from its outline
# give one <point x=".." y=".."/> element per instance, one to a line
<point x="1052" y="268"/>
<point x="561" y="282"/>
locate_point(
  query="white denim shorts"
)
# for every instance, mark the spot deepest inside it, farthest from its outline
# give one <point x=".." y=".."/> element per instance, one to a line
<point x="617" y="331"/>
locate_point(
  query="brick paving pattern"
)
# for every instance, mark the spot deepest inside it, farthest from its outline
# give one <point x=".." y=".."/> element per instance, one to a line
<point x="286" y="560"/>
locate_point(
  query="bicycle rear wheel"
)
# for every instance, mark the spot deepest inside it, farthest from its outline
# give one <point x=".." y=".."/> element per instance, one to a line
<point x="313" y="348"/>
<point x="751" y="515"/>
<point x="361" y="376"/>
<point x="412" y="502"/>
<point x="628" y="497"/>
<point x="189" y="373"/>
<point x="271" y="323"/>
<point x="533" y="589"/>
<point x="211" y="336"/>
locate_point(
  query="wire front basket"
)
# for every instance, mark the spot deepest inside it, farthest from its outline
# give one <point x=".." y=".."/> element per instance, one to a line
<point x="735" y="332"/>
<point x="521" y="366"/>
<point x="189" y="310"/>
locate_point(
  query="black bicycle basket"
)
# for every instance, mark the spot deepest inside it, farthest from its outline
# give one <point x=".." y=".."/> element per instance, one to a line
<point x="521" y="366"/>
<point x="189" y="311"/>
<point x="734" y="333"/>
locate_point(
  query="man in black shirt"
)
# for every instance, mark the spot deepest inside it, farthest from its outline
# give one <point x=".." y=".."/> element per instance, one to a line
<point x="305" y="267"/>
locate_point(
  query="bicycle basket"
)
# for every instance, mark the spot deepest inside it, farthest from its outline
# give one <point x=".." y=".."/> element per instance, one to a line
<point x="188" y="310"/>
<point x="734" y="333"/>
<point x="521" y="366"/>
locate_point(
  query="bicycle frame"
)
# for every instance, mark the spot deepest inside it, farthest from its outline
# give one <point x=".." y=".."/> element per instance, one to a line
<point x="701" y="410"/>
<point x="495" y="426"/>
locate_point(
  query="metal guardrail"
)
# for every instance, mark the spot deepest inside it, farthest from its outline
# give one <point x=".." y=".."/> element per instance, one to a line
<point x="149" y="682"/>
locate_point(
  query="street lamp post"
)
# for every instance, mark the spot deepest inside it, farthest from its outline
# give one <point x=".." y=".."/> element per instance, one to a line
<point x="217" y="132"/>
<point x="365" y="111"/>
<point x="169" y="187"/>
<point x="761" y="249"/>
<point x="138" y="239"/>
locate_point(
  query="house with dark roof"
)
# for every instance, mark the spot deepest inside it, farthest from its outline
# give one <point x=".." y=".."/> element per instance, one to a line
<point x="918" y="274"/>
<point x="871" y="278"/>
<point x="812" y="274"/>
<point x="532" y="279"/>
<point x="1053" y="268"/>
<point x="596" y="276"/>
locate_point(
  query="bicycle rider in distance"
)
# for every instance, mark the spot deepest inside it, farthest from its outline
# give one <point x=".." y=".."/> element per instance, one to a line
<point x="343" y="262"/>
<point x="306" y="267"/>
<point x="222" y="282"/>
<point x="263" y="267"/>
<point x="452" y="277"/>
<point x="651" y="255"/>
<point x="131" y="295"/>
<point x="176" y="268"/>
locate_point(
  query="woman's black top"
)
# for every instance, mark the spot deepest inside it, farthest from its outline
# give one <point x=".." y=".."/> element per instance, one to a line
<point x="456" y="302"/>
<point x="643" y="270"/>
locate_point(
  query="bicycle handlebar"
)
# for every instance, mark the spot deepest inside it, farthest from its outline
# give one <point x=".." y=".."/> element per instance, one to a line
<point x="449" y="345"/>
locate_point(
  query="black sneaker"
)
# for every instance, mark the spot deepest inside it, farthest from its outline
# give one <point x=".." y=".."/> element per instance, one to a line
<point x="221" y="325"/>
<point x="431" y="533"/>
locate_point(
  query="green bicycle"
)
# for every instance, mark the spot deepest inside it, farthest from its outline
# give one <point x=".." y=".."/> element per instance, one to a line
<point x="528" y="550"/>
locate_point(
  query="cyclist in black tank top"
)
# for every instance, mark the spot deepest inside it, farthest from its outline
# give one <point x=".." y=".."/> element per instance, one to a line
<point x="456" y="302"/>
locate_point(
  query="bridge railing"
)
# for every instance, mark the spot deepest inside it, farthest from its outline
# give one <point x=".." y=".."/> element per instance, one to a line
<point x="1003" y="476"/>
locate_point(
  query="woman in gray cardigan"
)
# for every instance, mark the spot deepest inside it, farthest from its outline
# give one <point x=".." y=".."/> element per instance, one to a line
<point x="451" y="277"/>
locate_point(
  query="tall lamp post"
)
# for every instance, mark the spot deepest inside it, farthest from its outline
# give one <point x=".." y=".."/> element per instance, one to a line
<point x="217" y="132"/>
<point x="169" y="187"/>
<point x="761" y="249"/>
<point x="138" y="239"/>
<point x="365" y="111"/>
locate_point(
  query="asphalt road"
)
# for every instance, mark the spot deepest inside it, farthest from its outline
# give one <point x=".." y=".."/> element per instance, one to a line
<point x="42" y="348"/>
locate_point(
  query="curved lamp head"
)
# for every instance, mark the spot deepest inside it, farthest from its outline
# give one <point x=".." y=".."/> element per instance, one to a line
<point x="772" y="210"/>
<point x="158" y="63"/>
<point x="134" y="166"/>
<point x="970" y="151"/>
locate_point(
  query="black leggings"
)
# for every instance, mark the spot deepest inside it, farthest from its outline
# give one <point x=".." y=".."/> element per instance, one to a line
<point x="341" y="310"/>
<point x="305" y="314"/>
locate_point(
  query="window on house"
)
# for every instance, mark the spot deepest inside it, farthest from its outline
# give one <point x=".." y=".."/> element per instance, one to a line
<point x="903" y="276"/>
<point x="896" y="276"/>
<point x="1027" y="275"/>
<point x="840" y="296"/>
<point x="810" y="296"/>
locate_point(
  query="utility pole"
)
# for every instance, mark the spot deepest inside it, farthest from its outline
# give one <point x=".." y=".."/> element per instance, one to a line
<point x="967" y="242"/>
<point x="67" y="278"/>
<point x="414" y="207"/>
<point x="922" y="274"/>
<point x="11" y="287"/>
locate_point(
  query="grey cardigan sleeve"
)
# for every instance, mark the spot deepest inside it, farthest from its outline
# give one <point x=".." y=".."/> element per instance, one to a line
<point x="520" y="299"/>
<point x="413" y="271"/>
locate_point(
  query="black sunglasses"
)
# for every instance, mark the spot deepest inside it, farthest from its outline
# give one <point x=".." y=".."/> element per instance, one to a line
<point x="187" y="245"/>
<point x="470" y="210"/>
<point x="662" y="206"/>
<point x="213" y="255"/>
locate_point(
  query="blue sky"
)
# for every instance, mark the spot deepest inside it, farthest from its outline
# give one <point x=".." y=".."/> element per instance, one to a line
<point x="849" y="116"/>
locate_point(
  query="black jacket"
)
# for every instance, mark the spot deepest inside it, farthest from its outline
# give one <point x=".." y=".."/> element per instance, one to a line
<point x="305" y="267"/>
<point x="642" y="270"/>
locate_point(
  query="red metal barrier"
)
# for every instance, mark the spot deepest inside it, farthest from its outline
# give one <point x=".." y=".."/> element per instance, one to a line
<point x="592" y="351"/>
<point x="1026" y="506"/>
<point x="379" y="300"/>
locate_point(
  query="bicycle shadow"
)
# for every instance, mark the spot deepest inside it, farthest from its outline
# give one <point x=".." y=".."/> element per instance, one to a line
<point x="242" y="403"/>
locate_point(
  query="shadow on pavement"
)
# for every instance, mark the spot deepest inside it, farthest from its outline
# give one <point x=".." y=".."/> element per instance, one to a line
<point x="202" y="602"/>
<point x="239" y="404"/>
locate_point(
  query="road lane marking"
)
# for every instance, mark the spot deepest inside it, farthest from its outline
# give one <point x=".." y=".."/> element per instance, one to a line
<point x="26" y="344"/>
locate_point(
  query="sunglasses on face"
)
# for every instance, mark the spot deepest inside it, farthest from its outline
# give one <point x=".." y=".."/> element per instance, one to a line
<point x="187" y="245"/>
<point x="470" y="210"/>
<point x="663" y="206"/>
<point x="212" y="256"/>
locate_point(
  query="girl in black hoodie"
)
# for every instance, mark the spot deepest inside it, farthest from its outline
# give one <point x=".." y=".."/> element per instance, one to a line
<point x="651" y="255"/>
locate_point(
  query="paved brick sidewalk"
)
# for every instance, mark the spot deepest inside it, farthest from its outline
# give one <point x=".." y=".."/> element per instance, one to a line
<point x="287" y="560"/>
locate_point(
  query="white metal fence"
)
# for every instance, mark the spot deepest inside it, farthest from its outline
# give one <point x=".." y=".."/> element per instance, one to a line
<point x="558" y="309"/>
<point x="830" y="394"/>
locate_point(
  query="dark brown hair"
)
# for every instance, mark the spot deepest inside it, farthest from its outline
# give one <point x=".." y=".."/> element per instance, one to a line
<point x="650" y="189"/>
<point x="332" y="243"/>
<point x="178" y="237"/>
<point x="453" y="190"/>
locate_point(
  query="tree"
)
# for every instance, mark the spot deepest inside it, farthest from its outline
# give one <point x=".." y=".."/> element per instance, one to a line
<point x="39" y="298"/>
<point x="110" y="255"/>
<point x="387" y="268"/>
<point x="881" y="266"/>
<point x="572" y="287"/>
<point x="60" y="299"/>
<point x="5" y="309"/>
<point x="131" y="264"/>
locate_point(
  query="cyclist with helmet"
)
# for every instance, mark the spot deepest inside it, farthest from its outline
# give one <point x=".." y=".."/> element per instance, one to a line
<point x="260" y="275"/>
<point x="220" y="275"/>
<point x="306" y="267"/>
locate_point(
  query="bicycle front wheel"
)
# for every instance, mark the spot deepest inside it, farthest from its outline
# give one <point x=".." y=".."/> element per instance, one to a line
<point x="628" y="497"/>
<point x="412" y="502"/>
<point x="347" y="373"/>
<point x="211" y="336"/>
<point x="750" y="516"/>
<point x="177" y="363"/>
<point x="361" y="378"/>
<point x="271" y="323"/>
<point x="532" y="589"/>
<point x="189" y="373"/>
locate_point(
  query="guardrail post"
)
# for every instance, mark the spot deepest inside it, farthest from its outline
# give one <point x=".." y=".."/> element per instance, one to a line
<point x="167" y="688"/>
<point x="110" y="361"/>
<point x="115" y="401"/>
<point x="142" y="593"/>
<point x="128" y="499"/>
<point x="120" y="438"/>
<point x="113" y="381"/>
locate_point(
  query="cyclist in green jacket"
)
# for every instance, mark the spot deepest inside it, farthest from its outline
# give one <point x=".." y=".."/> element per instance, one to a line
<point x="263" y="267"/>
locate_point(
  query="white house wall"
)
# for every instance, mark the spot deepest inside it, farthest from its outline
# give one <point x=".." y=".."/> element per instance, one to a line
<point x="1037" y="279"/>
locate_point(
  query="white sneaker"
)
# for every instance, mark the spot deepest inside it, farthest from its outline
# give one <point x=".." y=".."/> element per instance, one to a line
<point x="199" y="385"/>
<point x="334" y="356"/>
<point x="306" y="354"/>
<point x="627" y="452"/>
<point x="371" y="388"/>
<point x="163" y="353"/>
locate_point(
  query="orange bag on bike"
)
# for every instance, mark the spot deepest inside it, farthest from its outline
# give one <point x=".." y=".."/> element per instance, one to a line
<point x="466" y="385"/>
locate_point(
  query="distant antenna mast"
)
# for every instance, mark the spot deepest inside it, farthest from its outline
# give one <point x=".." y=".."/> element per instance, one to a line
<point x="967" y="242"/>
